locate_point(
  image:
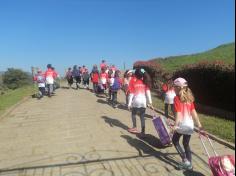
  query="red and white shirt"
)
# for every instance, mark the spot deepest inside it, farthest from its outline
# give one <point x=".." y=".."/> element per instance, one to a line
<point x="169" y="96"/>
<point x="103" y="78"/>
<point x="50" y="76"/>
<point x="185" y="110"/>
<point x="139" y="94"/>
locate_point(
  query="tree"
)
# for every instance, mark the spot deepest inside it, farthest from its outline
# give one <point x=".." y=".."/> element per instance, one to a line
<point x="15" y="78"/>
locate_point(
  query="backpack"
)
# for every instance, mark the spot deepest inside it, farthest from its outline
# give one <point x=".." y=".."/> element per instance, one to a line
<point x="40" y="79"/>
<point x="116" y="85"/>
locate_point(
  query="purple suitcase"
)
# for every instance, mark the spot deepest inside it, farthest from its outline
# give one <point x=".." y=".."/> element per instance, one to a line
<point x="162" y="130"/>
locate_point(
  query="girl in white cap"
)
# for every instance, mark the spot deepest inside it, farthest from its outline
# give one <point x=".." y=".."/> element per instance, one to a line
<point x="184" y="123"/>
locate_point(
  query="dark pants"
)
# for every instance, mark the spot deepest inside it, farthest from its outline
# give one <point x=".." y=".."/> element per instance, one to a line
<point x="114" y="97"/>
<point x="95" y="87"/>
<point x="186" y="153"/>
<point x="42" y="91"/>
<point x="127" y="99"/>
<point x="77" y="81"/>
<point x="141" y="112"/>
<point x="167" y="109"/>
<point x="86" y="82"/>
<point x="50" y="89"/>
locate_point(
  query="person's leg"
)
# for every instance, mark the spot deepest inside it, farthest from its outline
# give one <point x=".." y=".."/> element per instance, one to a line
<point x="127" y="99"/>
<point x="39" y="93"/>
<point x="142" y="118"/>
<point x="175" y="140"/>
<point x="186" y="164"/>
<point x="173" y="109"/>
<point x="134" y="112"/>
<point x="87" y="83"/>
<point x="43" y="91"/>
<point x="50" y="89"/>
<point x="94" y="91"/>
<point x="110" y="95"/>
<point x="166" y="110"/>
<point x="115" y="98"/>
<point x="96" y="87"/>
<point x="188" y="153"/>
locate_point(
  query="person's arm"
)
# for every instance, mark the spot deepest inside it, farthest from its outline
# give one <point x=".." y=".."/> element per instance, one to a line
<point x="149" y="97"/>
<point x="196" y="118"/>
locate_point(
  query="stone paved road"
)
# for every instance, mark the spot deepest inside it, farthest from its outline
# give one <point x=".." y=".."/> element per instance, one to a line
<point x="76" y="133"/>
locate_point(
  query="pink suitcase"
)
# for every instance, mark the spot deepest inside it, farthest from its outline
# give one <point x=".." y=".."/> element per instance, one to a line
<point x="162" y="130"/>
<point x="219" y="165"/>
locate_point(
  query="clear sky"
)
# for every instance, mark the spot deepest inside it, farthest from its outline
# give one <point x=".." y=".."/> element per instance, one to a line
<point x="83" y="32"/>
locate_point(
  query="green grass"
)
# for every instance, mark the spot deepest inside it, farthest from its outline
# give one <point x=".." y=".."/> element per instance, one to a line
<point x="224" y="53"/>
<point x="221" y="128"/>
<point x="11" y="97"/>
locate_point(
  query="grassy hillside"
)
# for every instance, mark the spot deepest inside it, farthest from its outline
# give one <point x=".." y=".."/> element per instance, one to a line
<point x="224" y="52"/>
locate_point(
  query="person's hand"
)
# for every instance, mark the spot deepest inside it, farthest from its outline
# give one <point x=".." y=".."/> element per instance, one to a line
<point x="202" y="131"/>
<point x="151" y="106"/>
<point x="129" y="108"/>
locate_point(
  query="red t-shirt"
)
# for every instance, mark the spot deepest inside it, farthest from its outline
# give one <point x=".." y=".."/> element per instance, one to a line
<point x="95" y="77"/>
<point x="164" y="87"/>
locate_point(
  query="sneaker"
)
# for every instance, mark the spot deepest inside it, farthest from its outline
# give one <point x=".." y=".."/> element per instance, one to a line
<point x="186" y="165"/>
<point x="142" y="135"/>
<point x="133" y="130"/>
<point x="115" y="106"/>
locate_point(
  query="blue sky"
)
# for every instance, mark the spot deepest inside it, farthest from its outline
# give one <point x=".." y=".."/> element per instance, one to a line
<point x="83" y="32"/>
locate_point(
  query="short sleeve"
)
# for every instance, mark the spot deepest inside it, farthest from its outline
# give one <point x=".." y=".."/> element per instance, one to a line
<point x="177" y="104"/>
<point x="192" y="107"/>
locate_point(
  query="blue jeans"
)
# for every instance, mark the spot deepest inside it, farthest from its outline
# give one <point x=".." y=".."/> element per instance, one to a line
<point x="141" y="112"/>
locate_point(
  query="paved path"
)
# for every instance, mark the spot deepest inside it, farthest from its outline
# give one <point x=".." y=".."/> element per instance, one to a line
<point x="76" y="133"/>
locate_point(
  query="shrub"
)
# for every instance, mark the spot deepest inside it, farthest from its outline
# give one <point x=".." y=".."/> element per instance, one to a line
<point x="213" y="83"/>
<point x="15" y="78"/>
<point x="154" y="70"/>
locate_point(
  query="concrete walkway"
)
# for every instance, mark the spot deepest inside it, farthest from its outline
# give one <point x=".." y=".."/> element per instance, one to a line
<point x="76" y="133"/>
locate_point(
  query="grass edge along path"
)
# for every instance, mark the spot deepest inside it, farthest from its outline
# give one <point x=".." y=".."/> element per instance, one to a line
<point x="12" y="97"/>
<point x="224" y="129"/>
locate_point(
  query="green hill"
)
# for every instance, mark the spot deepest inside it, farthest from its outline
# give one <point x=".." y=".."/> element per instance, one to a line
<point x="224" y="53"/>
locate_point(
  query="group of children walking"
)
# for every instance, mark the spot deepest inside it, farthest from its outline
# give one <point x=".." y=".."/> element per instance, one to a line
<point x="136" y="85"/>
<point x="46" y="81"/>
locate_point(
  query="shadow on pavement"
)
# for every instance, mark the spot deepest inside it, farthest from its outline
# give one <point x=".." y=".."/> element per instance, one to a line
<point x="65" y="87"/>
<point x="143" y="148"/>
<point x="122" y="107"/>
<point x="114" y="122"/>
<point x="102" y="101"/>
<point x="151" y="140"/>
<point x="192" y="173"/>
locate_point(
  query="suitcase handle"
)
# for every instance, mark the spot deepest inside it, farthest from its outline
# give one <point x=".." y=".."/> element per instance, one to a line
<point x="204" y="146"/>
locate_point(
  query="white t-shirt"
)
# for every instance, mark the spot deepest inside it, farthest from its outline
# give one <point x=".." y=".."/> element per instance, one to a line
<point x="169" y="98"/>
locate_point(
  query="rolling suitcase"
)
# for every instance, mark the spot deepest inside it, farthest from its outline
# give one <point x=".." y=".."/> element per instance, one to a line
<point x="162" y="130"/>
<point x="219" y="165"/>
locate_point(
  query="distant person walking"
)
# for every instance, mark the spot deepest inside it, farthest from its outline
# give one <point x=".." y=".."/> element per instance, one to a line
<point x="127" y="77"/>
<point x="76" y="75"/>
<point x="103" y="65"/>
<point x="169" y="98"/>
<point x="69" y="77"/>
<point x="95" y="79"/>
<point x="115" y="87"/>
<point x="39" y="78"/>
<point x="86" y="77"/>
<point x="50" y="76"/>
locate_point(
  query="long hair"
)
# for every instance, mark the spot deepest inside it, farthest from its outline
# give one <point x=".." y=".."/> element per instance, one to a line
<point x="186" y="95"/>
<point x="143" y="76"/>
